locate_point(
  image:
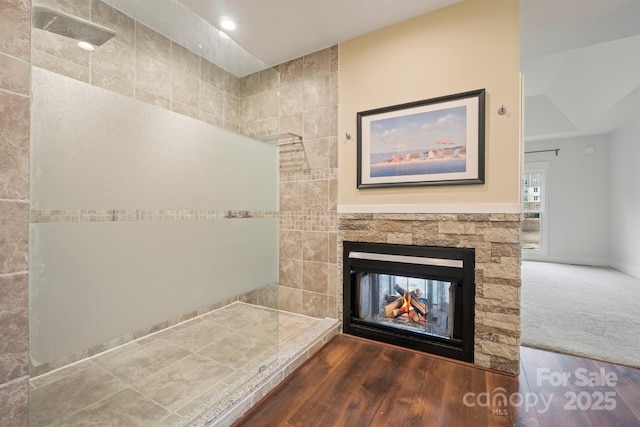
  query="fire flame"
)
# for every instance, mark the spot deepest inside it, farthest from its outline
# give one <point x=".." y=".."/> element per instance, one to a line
<point x="406" y="302"/>
<point x="408" y="306"/>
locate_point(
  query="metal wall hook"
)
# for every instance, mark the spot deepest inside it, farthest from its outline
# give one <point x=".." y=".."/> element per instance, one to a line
<point x="502" y="110"/>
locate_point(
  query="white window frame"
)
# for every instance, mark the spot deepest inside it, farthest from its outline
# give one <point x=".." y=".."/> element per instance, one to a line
<point x="541" y="168"/>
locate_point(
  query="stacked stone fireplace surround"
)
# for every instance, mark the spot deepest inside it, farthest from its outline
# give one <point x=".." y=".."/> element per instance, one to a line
<point x="496" y="240"/>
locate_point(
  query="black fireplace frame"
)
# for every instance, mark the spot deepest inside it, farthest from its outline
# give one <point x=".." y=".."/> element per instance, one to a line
<point x="460" y="347"/>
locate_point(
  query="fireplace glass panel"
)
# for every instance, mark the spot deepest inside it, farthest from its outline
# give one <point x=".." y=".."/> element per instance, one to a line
<point x="418" y="305"/>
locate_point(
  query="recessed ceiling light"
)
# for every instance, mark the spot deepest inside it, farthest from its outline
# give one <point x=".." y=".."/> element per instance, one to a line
<point x="227" y="24"/>
<point x="86" y="46"/>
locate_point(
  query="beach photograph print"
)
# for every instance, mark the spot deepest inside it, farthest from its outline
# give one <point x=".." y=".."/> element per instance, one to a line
<point x="425" y="143"/>
<point x="431" y="142"/>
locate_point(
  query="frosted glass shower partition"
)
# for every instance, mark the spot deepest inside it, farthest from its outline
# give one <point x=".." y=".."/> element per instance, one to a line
<point x="140" y="216"/>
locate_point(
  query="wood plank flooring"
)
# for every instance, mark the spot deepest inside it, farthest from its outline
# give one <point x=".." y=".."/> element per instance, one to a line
<point x="355" y="382"/>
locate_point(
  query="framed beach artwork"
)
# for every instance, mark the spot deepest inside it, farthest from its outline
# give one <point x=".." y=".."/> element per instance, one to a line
<point x="437" y="141"/>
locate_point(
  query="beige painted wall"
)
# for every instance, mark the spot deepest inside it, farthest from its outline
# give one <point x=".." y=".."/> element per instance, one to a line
<point x="467" y="46"/>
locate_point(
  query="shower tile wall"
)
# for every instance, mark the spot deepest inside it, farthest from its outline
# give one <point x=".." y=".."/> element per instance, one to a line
<point x="306" y="106"/>
<point x="299" y="96"/>
<point x="308" y="185"/>
<point x="140" y="63"/>
<point x="15" y="21"/>
<point x="258" y="103"/>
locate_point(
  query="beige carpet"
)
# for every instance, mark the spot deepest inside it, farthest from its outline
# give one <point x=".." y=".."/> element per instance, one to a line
<point x="581" y="310"/>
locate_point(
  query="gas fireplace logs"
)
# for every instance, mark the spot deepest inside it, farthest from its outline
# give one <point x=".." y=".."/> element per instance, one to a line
<point x="403" y="303"/>
<point x="413" y="299"/>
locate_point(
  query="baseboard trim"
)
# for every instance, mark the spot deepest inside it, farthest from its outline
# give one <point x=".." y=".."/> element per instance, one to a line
<point x="596" y="262"/>
<point x="626" y="269"/>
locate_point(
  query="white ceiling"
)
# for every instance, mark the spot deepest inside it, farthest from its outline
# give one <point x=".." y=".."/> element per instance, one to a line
<point x="581" y="62"/>
<point x="580" y="58"/>
<point x="270" y="32"/>
<point x="279" y="30"/>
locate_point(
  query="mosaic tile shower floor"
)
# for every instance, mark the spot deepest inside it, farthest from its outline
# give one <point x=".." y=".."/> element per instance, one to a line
<point x="163" y="379"/>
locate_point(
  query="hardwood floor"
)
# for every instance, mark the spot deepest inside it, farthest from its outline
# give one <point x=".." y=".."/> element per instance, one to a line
<point x="355" y="382"/>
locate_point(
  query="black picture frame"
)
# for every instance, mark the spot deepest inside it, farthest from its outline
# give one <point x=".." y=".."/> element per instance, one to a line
<point x="437" y="141"/>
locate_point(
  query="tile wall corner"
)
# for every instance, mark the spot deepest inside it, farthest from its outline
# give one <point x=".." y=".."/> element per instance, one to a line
<point x="15" y="66"/>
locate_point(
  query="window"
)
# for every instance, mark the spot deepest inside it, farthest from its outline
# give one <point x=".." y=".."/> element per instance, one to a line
<point x="533" y="195"/>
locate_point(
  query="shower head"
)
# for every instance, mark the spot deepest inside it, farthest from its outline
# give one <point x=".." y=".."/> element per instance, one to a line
<point x="70" y="26"/>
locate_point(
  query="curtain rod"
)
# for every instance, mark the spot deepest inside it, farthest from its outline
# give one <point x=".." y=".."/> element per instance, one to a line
<point x="543" y="151"/>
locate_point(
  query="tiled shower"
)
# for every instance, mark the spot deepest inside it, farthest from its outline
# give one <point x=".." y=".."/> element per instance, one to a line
<point x="299" y="96"/>
<point x="95" y="284"/>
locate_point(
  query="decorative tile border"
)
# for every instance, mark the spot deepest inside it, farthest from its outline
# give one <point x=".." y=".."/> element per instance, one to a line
<point x="309" y="175"/>
<point x="45" y="216"/>
<point x="309" y="220"/>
